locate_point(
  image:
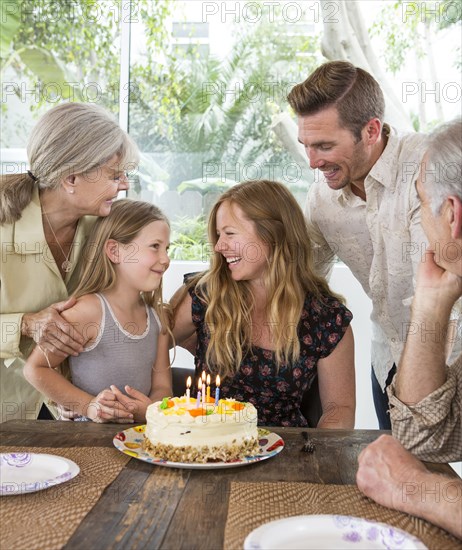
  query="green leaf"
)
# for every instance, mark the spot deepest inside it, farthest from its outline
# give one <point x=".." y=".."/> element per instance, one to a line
<point x="47" y="68"/>
<point x="211" y="184"/>
<point x="9" y="24"/>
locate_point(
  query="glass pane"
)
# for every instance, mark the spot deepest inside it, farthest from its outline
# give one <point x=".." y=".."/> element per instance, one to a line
<point x="207" y="89"/>
<point x="54" y="51"/>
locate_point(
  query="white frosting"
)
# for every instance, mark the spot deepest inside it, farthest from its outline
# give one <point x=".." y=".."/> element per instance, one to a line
<point x="177" y="427"/>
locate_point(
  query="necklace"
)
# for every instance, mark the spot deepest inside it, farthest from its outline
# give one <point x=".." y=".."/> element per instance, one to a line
<point x="66" y="266"/>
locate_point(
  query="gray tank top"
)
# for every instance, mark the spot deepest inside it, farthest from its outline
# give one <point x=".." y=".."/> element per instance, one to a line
<point x="117" y="357"/>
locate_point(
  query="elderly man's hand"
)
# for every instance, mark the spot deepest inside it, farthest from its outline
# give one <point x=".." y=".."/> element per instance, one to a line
<point x="388" y="473"/>
<point x="391" y="476"/>
<point x="434" y="284"/>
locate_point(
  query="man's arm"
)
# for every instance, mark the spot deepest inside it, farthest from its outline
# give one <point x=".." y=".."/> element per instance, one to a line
<point x="323" y="253"/>
<point x="422" y="368"/>
<point x="394" y="478"/>
<point x="426" y="396"/>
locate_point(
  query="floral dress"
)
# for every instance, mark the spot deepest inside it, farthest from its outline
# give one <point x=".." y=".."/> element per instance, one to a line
<point x="277" y="394"/>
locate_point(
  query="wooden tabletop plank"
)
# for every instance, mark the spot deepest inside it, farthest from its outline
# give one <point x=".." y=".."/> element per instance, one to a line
<point x="200" y="518"/>
<point x="138" y="507"/>
<point x="151" y="506"/>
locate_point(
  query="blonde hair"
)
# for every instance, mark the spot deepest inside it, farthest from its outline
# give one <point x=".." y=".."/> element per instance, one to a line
<point x="71" y="138"/>
<point x="279" y="222"/>
<point x="97" y="274"/>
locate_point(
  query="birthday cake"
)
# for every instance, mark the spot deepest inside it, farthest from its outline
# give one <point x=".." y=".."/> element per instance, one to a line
<point x="180" y="430"/>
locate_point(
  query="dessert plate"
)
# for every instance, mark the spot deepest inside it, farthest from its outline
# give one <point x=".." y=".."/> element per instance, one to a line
<point x="325" y="531"/>
<point x="130" y="442"/>
<point x="29" y="472"/>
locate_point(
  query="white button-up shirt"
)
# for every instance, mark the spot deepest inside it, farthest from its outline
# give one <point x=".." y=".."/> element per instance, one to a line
<point x="380" y="240"/>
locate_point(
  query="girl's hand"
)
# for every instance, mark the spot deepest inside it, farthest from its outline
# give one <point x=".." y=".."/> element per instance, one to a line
<point x="105" y="407"/>
<point x="135" y="402"/>
<point x="64" y="413"/>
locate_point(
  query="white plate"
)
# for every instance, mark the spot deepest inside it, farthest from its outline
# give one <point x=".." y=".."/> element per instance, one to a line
<point x="130" y="442"/>
<point x="28" y="472"/>
<point x="322" y="532"/>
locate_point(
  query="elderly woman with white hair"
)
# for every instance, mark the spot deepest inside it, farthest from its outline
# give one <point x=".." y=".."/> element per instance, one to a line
<point x="78" y="157"/>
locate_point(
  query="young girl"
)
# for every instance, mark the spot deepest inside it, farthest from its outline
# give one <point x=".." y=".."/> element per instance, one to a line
<point x="120" y="312"/>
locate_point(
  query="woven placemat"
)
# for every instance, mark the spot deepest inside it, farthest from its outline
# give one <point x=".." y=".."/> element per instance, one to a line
<point x="47" y="519"/>
<point x="253" y="504"/>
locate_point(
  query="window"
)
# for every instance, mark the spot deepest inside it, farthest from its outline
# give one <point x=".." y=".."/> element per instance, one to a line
<point x="54" y="51"/>
<point x="209" y="85"/>
<point x="201" y="86"/>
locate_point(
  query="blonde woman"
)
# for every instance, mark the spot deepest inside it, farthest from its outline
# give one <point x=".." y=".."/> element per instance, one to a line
<point x="78" y="157"/>
<point x="121" y="314"/>
<point x="261" y="318"/>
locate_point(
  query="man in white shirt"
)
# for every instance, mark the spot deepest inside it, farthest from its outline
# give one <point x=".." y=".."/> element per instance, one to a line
<point x="363" y="207"/>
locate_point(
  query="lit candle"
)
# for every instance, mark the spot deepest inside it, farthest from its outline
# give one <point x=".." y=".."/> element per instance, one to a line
<point x="198" y="398"/>
<point x="208" y="387"/>
<point x="202" y="382"/>
<point x="188" y="391"/>
<point x="217" y="391"/>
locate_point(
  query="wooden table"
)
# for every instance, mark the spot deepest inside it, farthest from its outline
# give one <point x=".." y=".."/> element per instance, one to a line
<point x="186" y="508"/>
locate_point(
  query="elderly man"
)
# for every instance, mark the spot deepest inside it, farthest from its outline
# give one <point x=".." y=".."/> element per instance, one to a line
<point x="426" y="395"/>
<point x="364" y="207"/>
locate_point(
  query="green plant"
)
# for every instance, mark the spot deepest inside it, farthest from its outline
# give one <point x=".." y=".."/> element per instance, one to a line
<point x="62" y="49"/>
<point x="189" y="239"/>
<point x="195" y="110"/>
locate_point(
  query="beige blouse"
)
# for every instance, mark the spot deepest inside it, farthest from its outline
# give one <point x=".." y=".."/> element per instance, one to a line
<point x="29" y="282"/>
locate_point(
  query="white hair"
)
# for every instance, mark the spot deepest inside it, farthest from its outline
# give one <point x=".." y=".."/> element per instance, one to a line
<point x="75" y="138"/>
<point x="71" y="138"/>
<point x="441" y="173"/>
